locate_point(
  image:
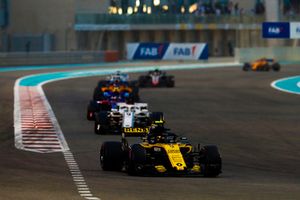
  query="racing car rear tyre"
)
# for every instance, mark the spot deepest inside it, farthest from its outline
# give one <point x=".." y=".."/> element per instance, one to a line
<point x="136" y="161"/>
<point x="111" y="156"/>
<point x="90" y="115"/>
<point x="211" y="159"/>
<point x="98" y="94"/>
<point x="91" y="109"/>
<point x="101" y="123"/>
<point x="102" y="83"/>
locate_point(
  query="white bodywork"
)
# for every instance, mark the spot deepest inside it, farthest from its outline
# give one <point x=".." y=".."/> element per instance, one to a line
<point x="130" y="113"/>
<point x="155" y="78"/>
<point x="118" y="76"/>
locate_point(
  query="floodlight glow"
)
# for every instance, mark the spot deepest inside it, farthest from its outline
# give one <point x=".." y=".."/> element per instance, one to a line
<point x="182" y="9"/>
<point x="114" y="10"/>
<point x="156" y="2"/>
<point x="130" y="10"/>
<point x="120" y="11"/>
<point x="137" y="3"/>
<point x="149" y="10"/>
<point x="193" y="8"/>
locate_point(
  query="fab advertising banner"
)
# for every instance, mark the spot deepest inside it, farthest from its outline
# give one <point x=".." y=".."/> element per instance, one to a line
<point x="167" y="51"/>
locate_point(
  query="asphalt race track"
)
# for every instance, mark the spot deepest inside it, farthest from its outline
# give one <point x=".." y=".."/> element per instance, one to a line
<point x="256" y="127"/>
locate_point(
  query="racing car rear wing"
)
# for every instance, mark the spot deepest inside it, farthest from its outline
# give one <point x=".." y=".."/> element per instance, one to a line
<point x="135" y="132"/>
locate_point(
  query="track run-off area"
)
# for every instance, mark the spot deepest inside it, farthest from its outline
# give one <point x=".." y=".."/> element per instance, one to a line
<point x="254" y="125"/>
<point x="289" y="84"/>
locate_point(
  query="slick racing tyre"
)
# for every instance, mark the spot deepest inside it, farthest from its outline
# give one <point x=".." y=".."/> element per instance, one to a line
<point x="102" y="83"/>
<point x="170" y="81"/>
<point x="211" y="160"/>
<point x="276" y="67"/>
<point x="111" y="156"/>
<point x="246" y="67"/>
<point x="98" y="94"/>
<point x="136" y="161"/>
<point x="101" y="123"/>
<point x="91" y="109"/>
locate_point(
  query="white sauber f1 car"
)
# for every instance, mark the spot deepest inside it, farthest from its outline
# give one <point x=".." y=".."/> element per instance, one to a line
<point x="126" y="115"/>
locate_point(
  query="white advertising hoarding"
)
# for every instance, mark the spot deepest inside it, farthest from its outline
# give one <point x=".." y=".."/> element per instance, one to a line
<point x="295" y="30"/>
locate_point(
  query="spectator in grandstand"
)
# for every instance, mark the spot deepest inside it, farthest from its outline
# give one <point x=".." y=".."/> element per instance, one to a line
<point x="230" y="48"/>
<point x="230" y="7"/>
<point x="236" y="8"/>
<point x="218" y="11"/>
<point x="259" y="8"/>
<point x="200" y="9"/>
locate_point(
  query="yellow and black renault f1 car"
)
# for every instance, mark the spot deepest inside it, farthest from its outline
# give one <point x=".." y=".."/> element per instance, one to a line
<point x="160" y="153"/>
<point x="263" y="64"/>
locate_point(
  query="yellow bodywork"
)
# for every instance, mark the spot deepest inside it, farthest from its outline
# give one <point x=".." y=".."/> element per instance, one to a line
<point x="174" y="154"/>
<point x="160" y="168"/>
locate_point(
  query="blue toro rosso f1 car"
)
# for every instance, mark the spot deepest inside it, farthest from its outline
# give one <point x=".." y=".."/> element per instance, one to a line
<point x="109" y="92"/>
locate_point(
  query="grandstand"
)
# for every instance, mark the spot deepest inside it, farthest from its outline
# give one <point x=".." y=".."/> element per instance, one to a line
<point x="69" y="25"/>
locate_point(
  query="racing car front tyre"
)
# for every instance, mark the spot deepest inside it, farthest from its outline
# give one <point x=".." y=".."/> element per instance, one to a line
<point x="276" y="67"/>
<point x="211" y="160"/>
<point x="111" y="156"/>
<point x="98" y="129"/>
<point x="136" y="161"/>
<point x="246" y="67"/>
<point x="170" y="81"/>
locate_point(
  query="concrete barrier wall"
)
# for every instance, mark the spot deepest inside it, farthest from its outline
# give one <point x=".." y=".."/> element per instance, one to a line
<point x="49" y="58"/>
<point x="278" y="53"/>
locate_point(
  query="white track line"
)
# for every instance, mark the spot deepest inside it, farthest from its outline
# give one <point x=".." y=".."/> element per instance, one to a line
<point x="273" y="84"/>
<point x="77" y="176"/>
<point x="44" y="136"/>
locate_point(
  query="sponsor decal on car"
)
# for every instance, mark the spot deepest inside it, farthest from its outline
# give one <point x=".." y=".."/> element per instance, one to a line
<point x="135" y="131"/>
